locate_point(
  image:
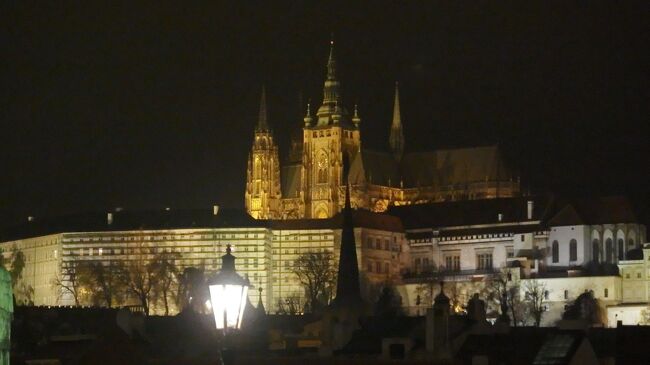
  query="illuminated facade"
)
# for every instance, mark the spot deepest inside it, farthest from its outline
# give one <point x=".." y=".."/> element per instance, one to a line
<point x="310" y="184"/>
<point x="266" y="250"/>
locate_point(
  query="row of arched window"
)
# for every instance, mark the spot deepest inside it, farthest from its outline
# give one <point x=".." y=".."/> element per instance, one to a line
<point x="610" y="254"/>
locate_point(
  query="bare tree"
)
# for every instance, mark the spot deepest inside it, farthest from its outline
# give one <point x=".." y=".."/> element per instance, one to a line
<point x="106" y="282"/>
<point x="317" y="274"/>
<point x="504" y="291"/>
<point x="426" y="291"/>
<point x="290" y="304"/>
<point x="192" y="290"/>
<point x="75" y="279"/>
<point x="165" y="276"/>
<point x="138" y="276"/>
<point x="17" y="262"/>
<point x="23" y="293"/>
<point x="535" y="297"/>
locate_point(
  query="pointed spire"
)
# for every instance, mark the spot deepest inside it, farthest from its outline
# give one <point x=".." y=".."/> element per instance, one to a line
<point x="260" y="304"/>
<point x="262" y="121"/>
<point x="331" y="95"/>
<point x="307" y="119"/>
<point x="331" y="62"/>
<point x="347" y="288"/>
<point x="396" y="139"/>
<point x="356" y="119"/>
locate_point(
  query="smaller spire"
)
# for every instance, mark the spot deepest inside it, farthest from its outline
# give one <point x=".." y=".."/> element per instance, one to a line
<point x="307" y="119"/>
<point x="356" y="119"/>
<point x="260" y="304"/>
<point x="336" y="117"/>
<point x="396" y="139"/>
<point x="262" y="121"/>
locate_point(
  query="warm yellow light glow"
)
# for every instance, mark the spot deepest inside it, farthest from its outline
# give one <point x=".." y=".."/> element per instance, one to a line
<point x="228" y="303"/>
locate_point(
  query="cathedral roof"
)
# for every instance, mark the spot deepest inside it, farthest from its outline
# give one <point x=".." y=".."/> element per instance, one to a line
<point x="602" y="210"/>
<point x="473" y="212"/>
<point x="437" y="169"/>
<point x="453" y="166"/>
<point x="361" y="218"/>
<point x="374" y="167"/>
<point x="128" y="220"/>
<point x="290" y="176"/>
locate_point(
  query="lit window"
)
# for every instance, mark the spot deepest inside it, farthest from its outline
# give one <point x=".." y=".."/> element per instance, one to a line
<point x="484" y="261"/>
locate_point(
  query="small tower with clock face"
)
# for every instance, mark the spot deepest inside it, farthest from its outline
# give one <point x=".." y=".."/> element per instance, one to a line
<point x="327" y="138"/>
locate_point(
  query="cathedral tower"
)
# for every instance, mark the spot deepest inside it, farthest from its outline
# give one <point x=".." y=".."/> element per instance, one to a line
<point x="263" y="174"/>
<point x="333" y="134"/>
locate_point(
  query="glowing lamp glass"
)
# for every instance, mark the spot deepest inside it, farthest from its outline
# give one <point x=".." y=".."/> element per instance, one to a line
<point x="228" y="303"/>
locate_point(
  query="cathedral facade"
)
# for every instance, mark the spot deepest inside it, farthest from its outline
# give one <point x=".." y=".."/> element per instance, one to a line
<point x="329" y="154"/>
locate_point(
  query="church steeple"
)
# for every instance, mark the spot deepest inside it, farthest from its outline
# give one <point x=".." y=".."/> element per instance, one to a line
<point x="347" y="288"/>
<point x="396" y="139"/>
<point x="263" y="195"/>
<point x="331" y="63"/>
<point x="262" y="121"/>
<point x="331" y="95"/>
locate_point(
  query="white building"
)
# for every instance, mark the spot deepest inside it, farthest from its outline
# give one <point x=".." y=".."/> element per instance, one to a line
<point x="266" y="250"/>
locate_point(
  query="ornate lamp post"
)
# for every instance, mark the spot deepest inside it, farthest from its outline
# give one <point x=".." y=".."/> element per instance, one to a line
<point x="228" y="294"/>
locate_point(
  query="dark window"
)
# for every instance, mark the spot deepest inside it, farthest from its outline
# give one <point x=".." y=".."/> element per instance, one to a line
<point x="573" y="250"/>
<point x="566" y="294"/>
<point x="620" y="246"/>
<point x="555" y="250"/>
<point x="596" y="250"/>
<point x="606" y="292"/>
<point x="609" y="251"/>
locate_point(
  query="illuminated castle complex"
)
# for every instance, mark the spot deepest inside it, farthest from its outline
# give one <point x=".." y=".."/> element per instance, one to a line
<point x="311" y="184"/>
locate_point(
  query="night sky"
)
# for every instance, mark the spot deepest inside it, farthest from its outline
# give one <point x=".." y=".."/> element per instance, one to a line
<point x="153" y="106"/>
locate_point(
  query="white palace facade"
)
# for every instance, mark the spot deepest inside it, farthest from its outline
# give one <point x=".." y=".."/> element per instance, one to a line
<point x="568" y="245"/>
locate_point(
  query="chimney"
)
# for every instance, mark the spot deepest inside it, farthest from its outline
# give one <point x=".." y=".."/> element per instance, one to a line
<point x="215" y="209"/>
<point x="500" y="217"/>
<point x="109" y="218"/>
<point x="531" y="205"/>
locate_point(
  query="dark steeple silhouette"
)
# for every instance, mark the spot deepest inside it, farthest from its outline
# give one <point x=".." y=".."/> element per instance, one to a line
<point x="347" y="289"/>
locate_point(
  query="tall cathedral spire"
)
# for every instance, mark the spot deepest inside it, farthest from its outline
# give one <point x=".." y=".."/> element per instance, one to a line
<point x="347" y="288"/>
<point x="331" y="96"/>
<point x="396" y="134"/>
<point x="262" y="121"/>
<point x="331" y="63"/>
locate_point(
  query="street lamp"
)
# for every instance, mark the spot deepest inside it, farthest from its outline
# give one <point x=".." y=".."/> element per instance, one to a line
<point x="228" y="293"/>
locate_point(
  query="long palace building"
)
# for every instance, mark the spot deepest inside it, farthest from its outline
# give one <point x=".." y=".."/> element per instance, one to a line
<point x="463" y="243"/>
<point x="310" y="184"/>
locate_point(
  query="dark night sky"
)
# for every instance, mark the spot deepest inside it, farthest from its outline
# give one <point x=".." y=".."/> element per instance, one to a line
<point x="152" y="106"/>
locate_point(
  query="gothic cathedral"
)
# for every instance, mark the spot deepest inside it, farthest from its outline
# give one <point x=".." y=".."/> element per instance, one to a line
<point x="328" y="155"/>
